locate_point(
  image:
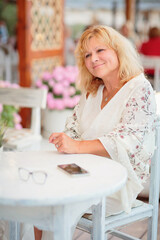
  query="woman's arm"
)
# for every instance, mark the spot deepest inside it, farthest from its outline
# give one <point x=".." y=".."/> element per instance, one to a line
<point x="132" y="141"/>
<point x="66" y="144"/>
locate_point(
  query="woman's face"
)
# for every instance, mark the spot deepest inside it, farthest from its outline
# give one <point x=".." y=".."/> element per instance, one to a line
<point x="100" y="60"/>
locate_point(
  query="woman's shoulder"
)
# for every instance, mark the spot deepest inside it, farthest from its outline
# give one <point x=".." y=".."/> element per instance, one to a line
<point x="140" y="80"/>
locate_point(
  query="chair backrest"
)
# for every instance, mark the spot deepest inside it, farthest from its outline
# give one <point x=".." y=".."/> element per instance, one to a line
<point x="151" y="62"/>
<point x="155" y="169"/>
<point x="157" y="96"/>
<point x="26" y="97"/>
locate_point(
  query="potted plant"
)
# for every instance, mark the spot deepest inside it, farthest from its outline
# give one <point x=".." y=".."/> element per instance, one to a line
<point x="61" y="98"/>
<point x="9" y="114"/>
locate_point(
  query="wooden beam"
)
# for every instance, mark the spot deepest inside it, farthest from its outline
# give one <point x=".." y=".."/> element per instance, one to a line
<point x="130" y="6"/>
<point x="26" y="37"/>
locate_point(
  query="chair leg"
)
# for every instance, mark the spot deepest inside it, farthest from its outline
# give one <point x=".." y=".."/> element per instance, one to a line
<point x="152" y="228"/>
<point x="14" y="231"/>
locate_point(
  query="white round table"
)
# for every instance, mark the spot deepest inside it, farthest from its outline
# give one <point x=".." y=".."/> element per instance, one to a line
<point x="63" y="199"/>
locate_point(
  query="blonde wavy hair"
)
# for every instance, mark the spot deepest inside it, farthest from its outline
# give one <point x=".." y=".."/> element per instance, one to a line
<point x="129" y="62"/>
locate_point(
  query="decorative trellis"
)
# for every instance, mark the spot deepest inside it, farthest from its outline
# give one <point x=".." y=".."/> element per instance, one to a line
<point x="46" y="24"/>
<point x="42" y="65"/>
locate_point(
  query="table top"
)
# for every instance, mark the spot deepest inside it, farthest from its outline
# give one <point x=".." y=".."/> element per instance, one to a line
<point x="105" y="177"/>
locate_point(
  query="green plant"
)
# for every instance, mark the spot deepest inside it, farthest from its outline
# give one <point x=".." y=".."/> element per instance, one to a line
<point x="8" y="13"/>
<point x="10" y="114"/>
<point x="3" y="126"/>
<point x="7" y="115"/>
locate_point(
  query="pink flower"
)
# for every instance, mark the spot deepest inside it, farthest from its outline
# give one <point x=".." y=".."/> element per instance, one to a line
<point x="39" y="83"/>
<point x="58" y="73"/>
<point x="76" y="99"/>
<point x="51" y="103"/>
<point x="51" y="83"/>
<point x="69" y="102"/>
<point x="49" y="96"/>
<point x="58" y="89"/>
<point x="71" y="91"/>
<point x="1" y="108"/>
<point x="17" y="118"/>
<point x="15" y="85"/>
<point x="65" y="93"/>
<point x="60" y="86"/>
<point x="44" y="87"/>
<point x="2" y="84"/>
<point x="18" y="126"/>
<point x="8" y="84"/>
<point x="59" y="104"/>
<point x="65" y="83"/>
<point x="72" y="73"/>
<point x="46" y="76"/>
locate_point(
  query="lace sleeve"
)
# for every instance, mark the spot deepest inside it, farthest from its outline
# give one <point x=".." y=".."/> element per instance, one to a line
<point x="72" y="125"/>
<point x="134" y="135"/>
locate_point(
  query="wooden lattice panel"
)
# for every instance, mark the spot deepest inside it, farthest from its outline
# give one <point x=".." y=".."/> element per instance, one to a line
<point x="46" y="24"/>
<point x="40" y="66"/>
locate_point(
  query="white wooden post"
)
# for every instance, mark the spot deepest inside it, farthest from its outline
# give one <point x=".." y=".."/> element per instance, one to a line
<point x="8" y="74"/>
<point x="98" y="212"/>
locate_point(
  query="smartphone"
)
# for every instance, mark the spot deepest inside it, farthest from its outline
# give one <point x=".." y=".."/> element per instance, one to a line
<point x="73" y="169"/>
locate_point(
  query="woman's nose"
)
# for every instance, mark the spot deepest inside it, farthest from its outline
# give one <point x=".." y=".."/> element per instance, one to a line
<point x="94" y="57"/>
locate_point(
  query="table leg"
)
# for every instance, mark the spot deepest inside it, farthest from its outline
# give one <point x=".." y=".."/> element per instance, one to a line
<point x="67" y="216"/>
<point x="14" y="231"/>
<point x="98" y="212"/>
<point x="62" y="223"/>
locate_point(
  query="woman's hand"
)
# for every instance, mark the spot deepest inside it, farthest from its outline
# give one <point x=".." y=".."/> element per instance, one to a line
<point x="63" y="143"/>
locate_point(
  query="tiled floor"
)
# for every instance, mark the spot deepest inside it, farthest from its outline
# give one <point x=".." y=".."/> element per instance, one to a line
<point x="138" y="229"/>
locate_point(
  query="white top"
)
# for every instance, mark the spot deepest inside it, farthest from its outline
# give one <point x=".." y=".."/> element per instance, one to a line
<point x="124" y="127"/>
<point x="105" y="178"/>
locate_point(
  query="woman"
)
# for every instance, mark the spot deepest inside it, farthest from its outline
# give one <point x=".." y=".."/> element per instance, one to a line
<point x="116" y="112"/>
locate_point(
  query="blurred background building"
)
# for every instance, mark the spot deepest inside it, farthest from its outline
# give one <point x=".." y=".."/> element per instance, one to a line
<point x="38" y="35"/>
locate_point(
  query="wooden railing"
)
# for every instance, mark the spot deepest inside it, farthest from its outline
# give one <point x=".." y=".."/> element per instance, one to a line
<point x="9" y="65"/>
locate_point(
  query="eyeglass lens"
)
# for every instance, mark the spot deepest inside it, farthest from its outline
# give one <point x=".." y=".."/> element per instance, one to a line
<point x="37" y="176"/>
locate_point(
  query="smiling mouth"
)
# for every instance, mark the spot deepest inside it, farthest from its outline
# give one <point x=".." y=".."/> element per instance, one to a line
<point x="98" y="65"/>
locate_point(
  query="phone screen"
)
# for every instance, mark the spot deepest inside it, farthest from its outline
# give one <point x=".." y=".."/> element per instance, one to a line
<point x="73" y="169"/>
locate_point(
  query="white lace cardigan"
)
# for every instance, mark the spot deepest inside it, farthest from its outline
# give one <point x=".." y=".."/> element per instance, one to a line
<point x="125" y="127"/>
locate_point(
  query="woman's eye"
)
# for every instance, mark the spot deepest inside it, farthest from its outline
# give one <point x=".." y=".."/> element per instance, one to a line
<point x="87" y="55"/>
<point x="100" y="50"/>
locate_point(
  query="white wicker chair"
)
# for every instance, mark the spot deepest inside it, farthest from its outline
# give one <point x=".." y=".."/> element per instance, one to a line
<point x="149" y="210"/>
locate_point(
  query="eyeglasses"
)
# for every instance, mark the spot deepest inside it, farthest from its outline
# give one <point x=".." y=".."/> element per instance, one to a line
<point x="38" y="177"/>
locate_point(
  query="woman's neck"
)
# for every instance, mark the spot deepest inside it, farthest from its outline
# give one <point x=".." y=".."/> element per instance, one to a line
<point x="112" y="86"/>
